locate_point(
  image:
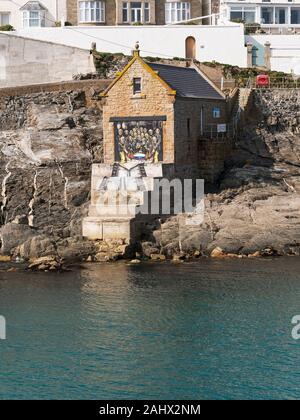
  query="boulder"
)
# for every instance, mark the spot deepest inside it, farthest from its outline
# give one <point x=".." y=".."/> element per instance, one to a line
<point x="217" y="253"/>
<point x="36" y="247"/>
<point x="149" y="248"/>
<point x="47" y="263"/>
<point x="13" y="235"/>
<point x="157" y="257"/>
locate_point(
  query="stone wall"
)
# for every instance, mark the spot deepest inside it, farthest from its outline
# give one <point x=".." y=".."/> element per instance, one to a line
<point x="188" y="145"/>
<point x="153" y="101"/>
<point x="212" y="155"/>
<point x="113" y="12"/>
<point x="72" y="11"/>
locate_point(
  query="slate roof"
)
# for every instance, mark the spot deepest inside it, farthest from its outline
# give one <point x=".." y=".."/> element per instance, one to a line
<point x="186" y="81"/>
<point x="33" y="6"/>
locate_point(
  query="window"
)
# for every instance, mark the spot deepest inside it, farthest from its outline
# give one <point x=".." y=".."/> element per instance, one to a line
<point x="295" y="16"/>
<point x="188" y="127"/>
<point x="177" y="12"/>
<point x="147" y="12"/>
<point x="125" y="12"/>
<point x="33" y="18"/>
<point x="247" y="14"/>
<point x="216" y="112"/>
<point x="280" y="15"/>
<point x="267" y="14"/>
<point x="136" y="12"/>
<point x="4" y="19"/>
<point x="92" y="11"/>
<point x="137" y="85"/>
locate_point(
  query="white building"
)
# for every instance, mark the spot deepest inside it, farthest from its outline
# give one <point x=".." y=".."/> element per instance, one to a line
<point x="270" y="14"/>
<point x="24" y="14"/>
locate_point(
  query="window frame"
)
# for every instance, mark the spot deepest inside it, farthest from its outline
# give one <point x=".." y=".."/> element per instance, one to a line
<point x="27" y="18"/>
<point x="243" y="10"/>
<point x="177" y="11"/>
<point x="2" y="13"/>
<point x="137" y="81"/>
<point x="216" y="112"/>
<point x="87" y="12"/>
<point x="127" y="10"/>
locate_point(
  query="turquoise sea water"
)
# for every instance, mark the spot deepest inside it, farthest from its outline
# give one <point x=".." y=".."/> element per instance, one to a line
<point x="207" y="329"/>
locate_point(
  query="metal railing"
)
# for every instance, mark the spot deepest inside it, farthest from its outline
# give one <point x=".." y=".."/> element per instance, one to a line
<point x="220" y="131"/>
<point x="287" y="82"/>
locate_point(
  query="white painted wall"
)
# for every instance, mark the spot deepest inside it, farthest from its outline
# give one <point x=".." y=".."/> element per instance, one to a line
<point x="224" y="44"/>
<point x="285" y="51"/>
<point x="56" y="9"/>
<point x="24" y="61"/>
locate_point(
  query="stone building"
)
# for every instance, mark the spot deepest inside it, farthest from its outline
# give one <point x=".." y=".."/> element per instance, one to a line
<point x="154" y="117"/>
<point x="119" y="12"/>
<point x="158" y="112"/>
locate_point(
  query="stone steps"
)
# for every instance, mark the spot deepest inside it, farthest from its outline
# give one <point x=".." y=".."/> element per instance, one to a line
<point x="115" y="200"/>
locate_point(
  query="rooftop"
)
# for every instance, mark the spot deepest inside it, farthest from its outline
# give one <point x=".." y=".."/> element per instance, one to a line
<point x="187" y="81"/>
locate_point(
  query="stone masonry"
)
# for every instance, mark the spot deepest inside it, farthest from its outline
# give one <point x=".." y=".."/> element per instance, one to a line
<point x="113" y="12"/>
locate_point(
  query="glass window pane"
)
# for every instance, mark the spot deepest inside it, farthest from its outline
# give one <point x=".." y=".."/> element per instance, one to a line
<point x="249" y="17"/>
<point x="236" y="15"/>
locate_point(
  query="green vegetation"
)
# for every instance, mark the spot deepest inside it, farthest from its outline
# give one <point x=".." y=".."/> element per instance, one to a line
<point x="242" y="75"/>
<point x="58" y="24"/>
<point x="152" y="59"/>
<point x="104" y="61"/>
<point x="6" y="28"/>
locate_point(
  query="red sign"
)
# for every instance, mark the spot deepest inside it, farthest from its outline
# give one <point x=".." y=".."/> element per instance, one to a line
<point x="262" y="80"/>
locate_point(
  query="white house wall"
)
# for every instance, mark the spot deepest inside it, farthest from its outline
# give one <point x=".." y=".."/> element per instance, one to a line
<point x="285" y="51"/>
<point x="224" y="44"/>
<point x="56" y="10"/>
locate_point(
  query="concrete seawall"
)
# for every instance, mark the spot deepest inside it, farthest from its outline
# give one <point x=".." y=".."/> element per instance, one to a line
<point x="25" y="61"/>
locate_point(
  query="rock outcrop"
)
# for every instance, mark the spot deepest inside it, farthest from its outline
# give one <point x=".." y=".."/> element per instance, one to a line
<point x="48" y="142"/>
<point x="257" y="205"/>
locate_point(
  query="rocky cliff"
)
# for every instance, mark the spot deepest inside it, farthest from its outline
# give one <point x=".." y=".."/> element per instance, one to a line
<point x="49" y="140"/>
<point x="47" y="144"/>
<point x="257" y="207"/>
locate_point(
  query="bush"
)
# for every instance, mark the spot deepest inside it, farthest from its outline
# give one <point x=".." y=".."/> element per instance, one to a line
<point x="58" y="24"/>
<point x="252" y="28"/>
<point x="7" y="28"/>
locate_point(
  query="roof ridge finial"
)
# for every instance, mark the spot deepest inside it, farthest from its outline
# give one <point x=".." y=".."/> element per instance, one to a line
<point x="136" y="49"/>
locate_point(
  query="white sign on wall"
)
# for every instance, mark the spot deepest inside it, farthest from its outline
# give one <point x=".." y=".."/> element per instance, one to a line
<point x="221" y="128"/>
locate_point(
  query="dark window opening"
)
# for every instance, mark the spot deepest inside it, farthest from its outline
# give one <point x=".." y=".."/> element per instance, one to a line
<point x="137" y="85"/>
<point x="188" y="126"/>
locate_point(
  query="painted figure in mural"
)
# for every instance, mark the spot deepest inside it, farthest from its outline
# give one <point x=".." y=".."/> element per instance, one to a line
<point x="139" y="140"/>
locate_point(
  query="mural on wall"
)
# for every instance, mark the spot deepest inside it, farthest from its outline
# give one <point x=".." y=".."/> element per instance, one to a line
<point x="138" y="141"/>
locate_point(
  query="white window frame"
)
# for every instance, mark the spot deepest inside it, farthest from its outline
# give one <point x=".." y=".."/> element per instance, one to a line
<point x="243" y="10"/>
<point x="1" y="17"/>
<point x="216" y="112"/>
<point x="177" y="11"/>
<point x="28" y="18"/>
<point x="87" y="11"/>
<point x="125" y="8"/>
